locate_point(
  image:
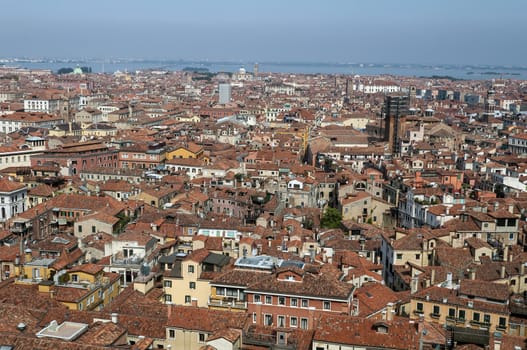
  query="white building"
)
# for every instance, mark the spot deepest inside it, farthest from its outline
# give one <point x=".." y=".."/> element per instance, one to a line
<point x="41" y="105"/>
<point x="518" y="143"/>
<point x="376" y="86"/>
<point x="107" y="109"/>
<point x="129" y="252"/>
<point x="15" y="121"/>
<point x="225" y="93"/>
<point x="12" y="199"/>
<point x="281" y="89"/>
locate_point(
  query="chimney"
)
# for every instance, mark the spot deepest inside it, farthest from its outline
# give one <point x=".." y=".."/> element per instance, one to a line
<point x="432" y="276"/>
<point x="522" y="268"/>
<point x="449" y="280"/>
<point x="472" y="274"/>
<point x="511" y="208"/>
<point x="506" y="255"/>
<point x="389" y="311"/>
<point x="414" y="285"/>
<point x="496" y="206"/>
<point x="115" y="317"/>
<point x="502" y="271"/>
<point x="28" y="255"/>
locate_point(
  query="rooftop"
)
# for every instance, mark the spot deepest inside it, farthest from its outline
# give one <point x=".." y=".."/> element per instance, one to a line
<point x="65" y="331"/>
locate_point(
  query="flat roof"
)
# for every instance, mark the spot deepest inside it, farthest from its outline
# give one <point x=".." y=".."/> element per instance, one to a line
<point x="66" y="331"/>
<point x="262" y="262"/>
<point x="40" y="262"/>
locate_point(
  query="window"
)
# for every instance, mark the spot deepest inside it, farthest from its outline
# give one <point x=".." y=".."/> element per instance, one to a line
<point x="399" y="256"/>
<point x="79" y="228"/>
<point x="168" y="284"/>
<point x="293" y="322"/>
<point x="281" y="300"/>
<point x="281" y="321"/>
<point x="436" y="310"/>
<point x="268" y="320"/>
<point x="303" y="323"/>
<point x="502" y="323"/>
<point x="168" y="298"/>
<point x="191" y="268"/>
<point x="254" y="317"/>
<point x="461" y="315"/>
<point x="486" y="318"/>
<point x="75" y="278"/>
<point x="294" y="301"/>
<point x="451" y="312"/>
<point x="327" y="305"/>
<point x="419" y="306"/>
<point x="268" y="299"/>
<point x="476" y="316"/>
<point x="171" y="333"/>
<point x="192" y="285"/>
<point x="93" y="229"/>
<point x="187" y="299"/>
<point x="305" y="303"/>
<point x="417" y="256"/>
<point x="202" y="337"/>
<point x="220" y="291"/>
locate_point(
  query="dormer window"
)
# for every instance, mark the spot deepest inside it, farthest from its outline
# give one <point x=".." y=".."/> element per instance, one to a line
<point x="381" y="327"/>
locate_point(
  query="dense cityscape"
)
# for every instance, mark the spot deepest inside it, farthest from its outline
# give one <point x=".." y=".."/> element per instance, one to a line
<point x="191" y="209"/>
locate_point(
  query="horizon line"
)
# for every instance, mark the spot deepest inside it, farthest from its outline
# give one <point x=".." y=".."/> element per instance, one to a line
<point x="249" y="61"/>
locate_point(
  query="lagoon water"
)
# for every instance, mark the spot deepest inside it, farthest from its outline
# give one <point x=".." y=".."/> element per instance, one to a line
<point x="475" y="72"/>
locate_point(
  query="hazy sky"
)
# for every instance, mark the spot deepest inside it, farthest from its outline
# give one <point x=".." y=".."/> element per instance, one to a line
<point x="390" y="31"/>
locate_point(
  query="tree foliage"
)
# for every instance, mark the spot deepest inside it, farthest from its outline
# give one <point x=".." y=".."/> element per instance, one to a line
<point x="331" y="218"/>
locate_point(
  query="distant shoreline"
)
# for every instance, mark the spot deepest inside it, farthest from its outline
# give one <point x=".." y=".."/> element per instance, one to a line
<point x="472" y="72"/>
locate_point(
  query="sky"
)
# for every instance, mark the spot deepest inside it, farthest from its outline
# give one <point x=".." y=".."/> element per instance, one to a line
<point x="346" y="31"/>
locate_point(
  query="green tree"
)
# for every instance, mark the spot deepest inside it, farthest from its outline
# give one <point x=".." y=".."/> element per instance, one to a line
<point x="331" y="218"/>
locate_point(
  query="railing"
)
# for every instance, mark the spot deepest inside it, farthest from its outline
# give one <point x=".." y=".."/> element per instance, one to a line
<point x="127" y="261"/>
<point x="468" y="335"/>
<point x="18" y="229"/>
<point x="267" y="340"/>
<point x="456" y="320"/>
<point x="480" y="324"/>
<point x="235" y="304"/>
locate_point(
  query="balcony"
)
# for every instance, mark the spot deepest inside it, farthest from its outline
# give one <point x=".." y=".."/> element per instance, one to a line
<point x="480" y="324"/>
<point x="468" y="335"/>
<point x="133" y="261"/>
<point x="18" y="229"/>
<point x="228" y="303"/>
<point x="455" y="320"/>
<point x="271" y="341"/>
<point x="419" y="312"/>
<point x="434" y="315"/>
